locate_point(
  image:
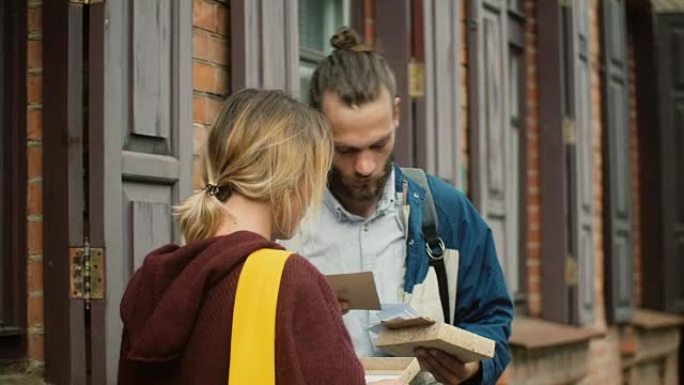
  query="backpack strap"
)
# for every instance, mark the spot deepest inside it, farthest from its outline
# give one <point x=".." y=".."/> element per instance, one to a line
<point x="252" y="346"/>
<point x="434" y="245"/>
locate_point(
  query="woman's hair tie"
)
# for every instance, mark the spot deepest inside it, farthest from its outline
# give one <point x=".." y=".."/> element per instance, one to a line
<point x="220" y="192"/>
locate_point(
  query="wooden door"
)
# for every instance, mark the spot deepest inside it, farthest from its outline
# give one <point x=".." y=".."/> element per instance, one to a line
<point x="490" y="133"/>
<point x="64" y="191"/>
<point x="617" y="161"/>
<point x="420" y="39"/>
<point x="142" y="133"/>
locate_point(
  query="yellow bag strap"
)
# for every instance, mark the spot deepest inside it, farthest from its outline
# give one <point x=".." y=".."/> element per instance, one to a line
<point x="252" y="347"/>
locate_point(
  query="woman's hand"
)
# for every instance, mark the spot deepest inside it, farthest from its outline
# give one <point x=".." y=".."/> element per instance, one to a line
<point x="344" y="306"/>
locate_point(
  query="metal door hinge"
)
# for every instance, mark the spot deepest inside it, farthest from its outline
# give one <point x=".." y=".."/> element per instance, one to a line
<point x="87" y="273"/>
<point x="416" y="79"/>
<point x="86" y="2"/>
<point x="569" y="131"/>
<point x="571" y="273"/>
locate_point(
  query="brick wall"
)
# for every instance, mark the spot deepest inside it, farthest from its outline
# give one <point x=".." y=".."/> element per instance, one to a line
<point x="604" y="353"/>
<point x="599" y="263"/>
<point x="34" y="81"/>
<point x="533" y="258"/>
<point x="604" y="361"/>
<point x="210" y="69"/>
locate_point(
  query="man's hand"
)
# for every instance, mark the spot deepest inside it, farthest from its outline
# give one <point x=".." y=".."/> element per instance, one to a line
<point x="445" y="368"/>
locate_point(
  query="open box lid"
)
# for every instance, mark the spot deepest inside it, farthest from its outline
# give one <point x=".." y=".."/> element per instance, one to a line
<point x="400" y="338"/>
<point x="404" y="369"/>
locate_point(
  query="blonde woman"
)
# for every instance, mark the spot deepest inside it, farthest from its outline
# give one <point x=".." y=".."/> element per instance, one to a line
<point x="266" y="160"/>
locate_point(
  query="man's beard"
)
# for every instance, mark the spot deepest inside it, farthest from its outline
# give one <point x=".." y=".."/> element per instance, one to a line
<point x="359" y="189"/>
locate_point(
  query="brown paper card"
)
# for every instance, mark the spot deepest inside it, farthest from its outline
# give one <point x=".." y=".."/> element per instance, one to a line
<point x="358" y="289"/>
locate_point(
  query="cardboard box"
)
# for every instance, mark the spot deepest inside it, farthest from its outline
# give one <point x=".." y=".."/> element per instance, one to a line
<point x="403" y="369"/>
<point x="400" y="337"/>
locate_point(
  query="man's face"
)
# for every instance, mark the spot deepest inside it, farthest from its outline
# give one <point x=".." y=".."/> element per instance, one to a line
<point x="364" y="142"/>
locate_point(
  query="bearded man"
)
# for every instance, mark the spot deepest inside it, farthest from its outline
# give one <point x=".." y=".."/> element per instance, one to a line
<point x="371" y="220"/>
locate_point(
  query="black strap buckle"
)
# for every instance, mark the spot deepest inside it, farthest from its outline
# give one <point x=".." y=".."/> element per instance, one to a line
<point x="435" y="249"/>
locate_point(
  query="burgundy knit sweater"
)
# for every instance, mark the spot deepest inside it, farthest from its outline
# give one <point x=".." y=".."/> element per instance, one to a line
<point x="178" y="309"/>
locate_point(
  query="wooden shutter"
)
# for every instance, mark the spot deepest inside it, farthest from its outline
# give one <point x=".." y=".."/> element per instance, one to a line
<point x="141" y="148"/>
<point x="489" y="119"/>
<point x="437" y="134"/>
<point x="264" y="45"/>
<point x="617" y="161"/>
<point x="579" y="140"/>
<point x="552" y="162"/>
<point x="393" y="37"/>
<point x="670" y="40"/>
<point x="516" y="163"/>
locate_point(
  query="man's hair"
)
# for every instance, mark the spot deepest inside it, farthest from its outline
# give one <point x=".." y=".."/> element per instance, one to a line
<point x="266" y="146"/>
<point x="355" y="72"/>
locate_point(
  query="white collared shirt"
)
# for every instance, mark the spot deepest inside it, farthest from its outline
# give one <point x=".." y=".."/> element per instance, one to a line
<point x="336" y="242"/>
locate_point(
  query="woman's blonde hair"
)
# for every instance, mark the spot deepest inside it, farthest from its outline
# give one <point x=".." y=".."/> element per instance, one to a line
<point x="266" y="146"/>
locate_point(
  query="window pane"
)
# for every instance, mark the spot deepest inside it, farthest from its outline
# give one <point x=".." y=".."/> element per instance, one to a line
<point x="515" y="5"/>
<point x="312" y="24"/>
<point x="318" y="21"/>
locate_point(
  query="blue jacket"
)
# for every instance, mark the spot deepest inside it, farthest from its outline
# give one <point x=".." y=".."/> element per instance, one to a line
<point x="483" y="304"/>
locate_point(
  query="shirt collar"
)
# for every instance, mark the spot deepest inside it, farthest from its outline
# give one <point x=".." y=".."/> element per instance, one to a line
<point x="387" y="201"/>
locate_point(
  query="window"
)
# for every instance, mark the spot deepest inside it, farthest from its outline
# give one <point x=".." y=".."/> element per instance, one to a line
<point x="318" y="21"/>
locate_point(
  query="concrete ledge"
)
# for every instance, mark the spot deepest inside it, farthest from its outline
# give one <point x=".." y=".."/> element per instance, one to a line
<point x="19" y="379"/>
<point x="533" y="333"/>
<point x="651" y="320"/>
<point x="547" y="353"/>
<point x="563" y="364"/>
<point x="650" y="346"/>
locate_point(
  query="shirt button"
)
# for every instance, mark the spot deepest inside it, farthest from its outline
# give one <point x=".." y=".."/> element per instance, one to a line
<point x="415" y="195"/>
<point x="411" y="242"/>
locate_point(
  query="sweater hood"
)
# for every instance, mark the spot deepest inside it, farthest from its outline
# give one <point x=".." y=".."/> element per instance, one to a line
<point x="164" y="297"/>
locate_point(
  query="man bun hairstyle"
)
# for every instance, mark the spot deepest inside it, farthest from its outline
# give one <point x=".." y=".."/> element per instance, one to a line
<point x="346" y="38"/>
<point x="354" y="71"/>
